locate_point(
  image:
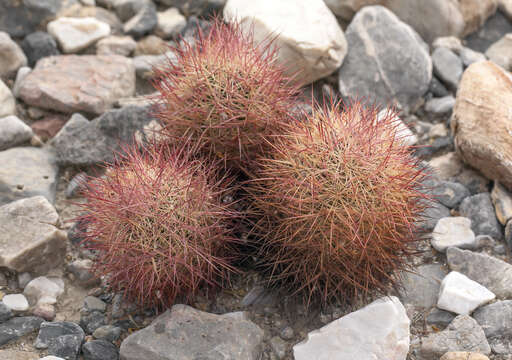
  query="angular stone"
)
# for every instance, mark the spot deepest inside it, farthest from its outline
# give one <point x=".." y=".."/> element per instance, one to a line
<point x="29" y="238"/>
<point x="447" y="67"/>
<point x="170" y="23"/>
<point x="309" y="40"/>
<point x="7" y="103"/>
<point x="453" y="231"/>
<point x="450" y="193"/>
<point x="39" y="45"/>
<point x="13" y="132"/>
<point x="96" y="12"/>
<point x="49" y="126"/>
<point x="71" y="83"/>
<point x="439" y="317"/>
<point x="494" y="274"/>
<point x="75" y="34"/>
<point x="11" y="56"/>
<point x="356" y="336"/>
<point x="481" y="122"/>
<point x="469" y="56"/>
<point x="17" y="327"/>
<point x="50" y="331"/>
<point x="432" y="214"/>
<point x="480" y="210"/>
<point x="421" y="288"/>
<point x="143" y="22"/>
<point x="185" y="333"/>
<point x="461" y="295"/>
<point x="373" y="69"/>
<point x="44" y="290"/>
<point x="26" y="172"/>
<point x="66" y="347"/>
<point x="495" y="319"/>
<point x="502" y="200"/>
<point x="463" y="334"/>
<point x="116" y="45"/>
<point x="463" y="355"/>
<point x="16" y="302"/>
<point x="20" y="76"/>
<point x="99" y="350"/>
<point x="91" y="321"/>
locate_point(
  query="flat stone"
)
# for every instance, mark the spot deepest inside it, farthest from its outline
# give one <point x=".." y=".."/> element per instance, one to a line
<point x="116" y="45"/>
<point x="126" y="9"/>
<point x="480" y="210"/>
<point x="107" y="332"/>
<point x="439" y="317"/>
<point x="461" y="295"/>
<point x="29" y="237"/>
<point x="44" y="290"/>
<point x="7" y="102"/>
<point x="170" y="23"/>
<point x="90" y="321"/>
<point x="17" y="327"/>
<point x="75" y="34"/>
<point x="185" y="333"/>
<point x="13" y="132"/>
<point x="99" y="350"/>
<point x="50" y="331"/>
<point x="452" y="43"/>
<point x="18" y="355"/>
<point x="494" y="274"/>
<point x="463" y="334"/>
<point x="439" y="106"/>
<point x="469" y="56"/>
<point x="437" y="88"/>
<point x="447" y="67"/>
<point x="373" y="69"/>
<point x="502" y="200"/>
<point x="355" y="335"/>
<point x="310" y="43"/>
<point x="143" y="22"/>
<point x="16" y="302"/>
<point x="495" y="321"/>
<point x="422" y="287"/>
<point x="96" y="12"/>
<point x="70" y="83"/>
<point x="11" y="56"/>
<point x="453" y="231"/>
<point x="92" y="303"/>
<point x="450" y="193"/>
<point x="463" y="355"/>
<point x="39" y="45"/>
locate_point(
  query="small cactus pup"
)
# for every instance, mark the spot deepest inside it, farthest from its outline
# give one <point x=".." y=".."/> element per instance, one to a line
<point x="337" y="205"/>
<point x="225" y="91"/>
<point x="159" y="225"/>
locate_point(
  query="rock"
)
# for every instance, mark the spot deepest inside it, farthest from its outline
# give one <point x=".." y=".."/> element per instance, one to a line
<point x="5" y="312"/>
<point x="421" y="288"/>
<point x="20" y="76"/>
<point x="439" y="106"/>
<point x="463" y="355"/>
<point x="501" y="52"/>
<point x="480" y="210"/>
<point x="356" y="336"/>
<point x="278" y="346"/>
<point x="7" y="103"/>
<point x="65" y="346"/>
<point x="480" y="121"/>
<point x="196" y="7"/>
<point x="476" y="12"/>
<point x="461" y="295"/>
<point x="287" y="333"/>
<point x="39" y="45"/>
<point x="37" y="176"/>
<point x="502" y="200"/>
<point x="71" y="83"/>
<point x="29" y="234"/>
<point x="51" y="357"/>
<point x="508" y="234"/>
<point x="449" y="42"/>
<point x="495" y="321"/>
<point x="447" y="67"/>
<point x="446" y="166"/>
<point x="17" y="327"/>
<point x="437" y="88"/>
<point x="229" y="336"/>
<point x="11" y="56"/>
<point x="92" y="321"/>
<point x="453" y="231"/>
<point x="432" y="214"/>
<point x="309" y="40"/>
<point x="46" y="311"/>
<point x="50" y="331"/>
<point x="127" y="9"/>
<point x="98" y="13"/>
<point x="151" y="45"/>
<point x="505" y="6"/>
<point x="143" y="22"/>
<point x="18" y="355"/>
<point x="99" y="350"/>
<point x="116" y="45"/>
<point x="75" y="34"/>
<point x="92" y="303"/>
<point x="145" y="64"/>
<point x="493" y="30"/>
<point x="107" y="333"/>
<point x="48" y="127"/>
<point x="82" y="143"/>
<point x="170" y="23"/>
<point x="13" y="132"/>
<point x="439" y="317"/>
<point x="450" y="193"/>
<point x="16" y="302"/>
<point x="473" y="181"/>
<point x="82" y="270"/>
<point x="44" y="290"/>
<point x="494" y="274"/>
<point x="463" y="334"/>
<point x="371" y="66"/>
<point x="469" y="56"/>
<point x="437" y="131"/>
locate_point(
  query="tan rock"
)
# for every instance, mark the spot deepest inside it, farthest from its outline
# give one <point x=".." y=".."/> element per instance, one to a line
<point x="7" y="102"/>
<point x="18" y="355"/>
<point x="505" y="7"/>
<point x="463" y="355"/>
<point x="151" y="45"/>
<point x="476" y="12"/>
<point x="116" y="45"/>
<point x="446" y="166"/>
<point x="29" y="237"/>
<point x="482" y="121"/>
<point x="501" y="52"/>
<point x="86" y="83"/>
<point x="11" y="56"/>
<point x="502" y="200"/>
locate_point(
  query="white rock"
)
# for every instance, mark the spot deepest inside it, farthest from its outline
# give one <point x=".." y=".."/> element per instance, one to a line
<point x="403" y="132"/>
<point x="461" y="295"/>
<point x="16" y="302"/>
<point x="22" y="73"/>
<point x="75" y="34"/>
<point x="13" y="132"/>
<point x="453" y="231"/>
<point x="43" y="290"/>
<point x="11" y="56"/>
<point x="501" y="52"/>
<point x="51" y="357"/>
<point x="377" y="331"/>
<point x="170" y="23"/>
<point x="450" y="42"/>
<point x="311" y="43"/>
<point x="7" y="103"/>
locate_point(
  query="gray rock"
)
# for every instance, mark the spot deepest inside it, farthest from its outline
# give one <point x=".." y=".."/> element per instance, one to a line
<point x="5" y="313"/>
<point x="502" y="200"/>
<point x="107" y="332"/>
<point x="127" y="9"/>
<point x="449" y="193"/>
<point x="480" y="210"/>
<point x="422" y="287"/>
<point x="494" y="274"/>
<point x="278" y="346"/>
<point x="287" y="333"/>
<point x="65" y="346"/>
<point x="437" y="88"/>
<point x="143" y="22"/>
<point x="170" y="23"/>
<point x="432" y="214"/>
<point x="92" y="321"/>
<point x="473" y="180"/>
<point x="463" y="334"/>
<point x="440" y="106"/>
<point x="81" y="269"/>
<point x="39" y="45"/>
<point x="196" y="7"/>
<point x="83" y="143"/>
<point x="11" y="56"/>
<point x="373" y="69"/>
<point x="7" y="102"/>
<point x="17" y="327"/>
<point x="508" y="234"/>
<point x="20" y="76"/>
<point x="30" y="234"/>
<point x="13" y="132"/>
<point x="495" y="320"/>
<point x="501" y="52"/>
<point x="16" y="302"/>
<point x="453" y="231"/>
<point x="493" y="30"/>
<point x="447" y="67"/>
<point x="144" y="64"/>
<point x="439" y="317"/>
<point x="186" y="333"/>
<point x="99" y="350"/>
<point x="469" y="56"/>
<point x="50" y="331"/>
<point x="92" y="303"/>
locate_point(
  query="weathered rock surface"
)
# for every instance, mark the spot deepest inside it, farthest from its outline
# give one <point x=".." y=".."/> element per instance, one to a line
<point x="476" y="12"/>
<point x="421" y="288"/>
<point x="7" y="103"/>
<point x="377" y="331"/>
<point x="39" y="45"/>
<point x="116" y="45"/>
<point x="501" y="52"/>
<point x="186" y="333"/>
<point x="86" y="83"/>
<point x="13" y="132"/>
<point x="447" y="66"/>
<point x="75" y="34"/>
<point x="170" y="23"/>
<point x="311" y="43"/>
<point x="17" y="327"/>
<point x="44" y="290"/>
<point x="502" y="200"/>
<point x="453" y="231"/>
<point x="373" y="69"/>
<point x="480" y="210"/>
<point x="19" y="355"/>
<point x="11" y="56"/>
<point x="495" y="321"/>
<point x="50" y="331"/>
<point x="29" y="238"/>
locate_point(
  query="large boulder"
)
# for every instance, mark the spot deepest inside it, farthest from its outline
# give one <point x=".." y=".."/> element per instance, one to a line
<point x="311" y="43"/>
<point x="482" y="122"/>
<point x="387" y="60"/>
